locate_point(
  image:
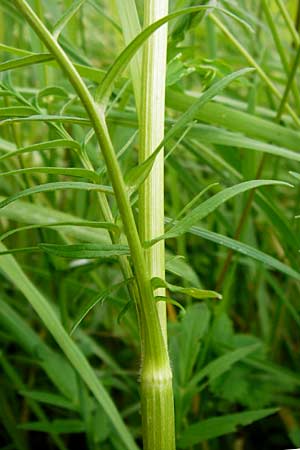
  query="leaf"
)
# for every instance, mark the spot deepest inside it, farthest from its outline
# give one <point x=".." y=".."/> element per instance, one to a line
<point x="14" y="50"/>
<point x="48" y="118"/>
<point x="25" y="61"/>
<point x="47" y="187"/>
<point x="41" y="146"/>
<point x="86" y="307"/>
<point x="177" y="69"/>
<point x="86" y="250"/>
<point x="191" y="291"/>
<point x="66" y="17"/>
<point x="103" y="93"/>
<point x="15" y="274"/>
<point x="81" y="223"/>
<point x="16" y="111"/>
<point x="214" y="135"/>
<point x="26" y="212"/>
<point x="138" y="174"/>
<point x="295" y="174"/>
<point x="67" y="171"/>
<point x="180" y="267"/>
<point x="183" y="225"/>
<point x="50" y="399"/>
<point x="219" y="426"/>
<point x="245" y="249"/>
<point x="221" y="364"/>
<point x="237" y="120"/>
<point x="161" y="298"/>
<point x="57" y="426"/>
<point x="193" y="327"/>
<point x="57" y="368"/>
<point x="9" y="422"/>
<point x="195" y="200"/>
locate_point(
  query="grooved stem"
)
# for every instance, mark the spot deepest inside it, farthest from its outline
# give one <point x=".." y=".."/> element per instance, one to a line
<point x="156" y="382"/>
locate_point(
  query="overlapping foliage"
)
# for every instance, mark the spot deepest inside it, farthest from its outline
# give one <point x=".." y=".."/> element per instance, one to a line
<point x="69" y="333"/>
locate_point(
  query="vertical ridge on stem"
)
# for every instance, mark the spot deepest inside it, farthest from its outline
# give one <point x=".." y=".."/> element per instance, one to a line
<point x="151" y="206"/>
<point x="156" y="382"/>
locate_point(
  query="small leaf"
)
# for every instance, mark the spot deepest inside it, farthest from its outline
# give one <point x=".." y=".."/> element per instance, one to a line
<point x="86" y="250"/>
<point x="138" y="174"/>
<point x="161" y="298"/>
<point x="194" y="325"/>
<point x="56" y="426"/>
<point x="183" y="225"/>
<point x="73" y="172"/>
<point x="48" y="187"/>
<point x="245" y="249"/>
<point x="295" y="174"/>
<point x="66" y="17"/>
<point x="50" y="399"/>
<point x="80" y="223"/>
<point x="49" y="145"/>
<point x="86" y="307"/>
<point x="191" y="291"/>
<point x="122" y="61"/>
<point x="48" y="118"/>
<point x="16" y="111"/>
<point x="223" y="363"/>
<point x="219" y="426"/>
<point x="25" y="61"/>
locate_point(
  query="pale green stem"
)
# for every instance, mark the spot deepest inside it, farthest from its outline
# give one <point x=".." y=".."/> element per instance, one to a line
<point x="156" y="389"/>
<point x="151" y="198"/>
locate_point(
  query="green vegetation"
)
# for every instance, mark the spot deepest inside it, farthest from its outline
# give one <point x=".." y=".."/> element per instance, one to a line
<point x="149" y="246"/>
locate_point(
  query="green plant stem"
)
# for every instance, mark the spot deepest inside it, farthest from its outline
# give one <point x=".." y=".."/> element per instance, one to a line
<point x="151" y="195"/>
<point x="155" y="370"/>
<point x="157" y="396"/>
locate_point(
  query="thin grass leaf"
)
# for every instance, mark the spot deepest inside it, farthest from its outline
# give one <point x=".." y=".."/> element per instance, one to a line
<point x="57" y="426"/>
<point x="183" y="225"/>
<point x="88" y="305"/>
<point x="16" y="51"/>
<point x="222" y="364"/>
<point x="103" y="93"/>
<point x="16" y="275"/>
<point x="83" y="251"/>
<point x="138" y="174"/>
<point x="47" y="118"/>
<point x="48" y="187"/>
<point x="220" y="426"/>
<point x="222" y="137"/>
<point x="50" y="399"/>
<point x="190" y="291"/>
<point x="246" y="250"/>
<point x="82" y="223"/>
<point x="66" y="171"/>
<point x="25" y="61"/>
<point x="66" y="17"/>
<point x="25" y="212"/>
<point x="232" y="119"/>
<point x="40" y="147"/>
<point x="161" y="298"/>
<point x="16" y="111"/>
